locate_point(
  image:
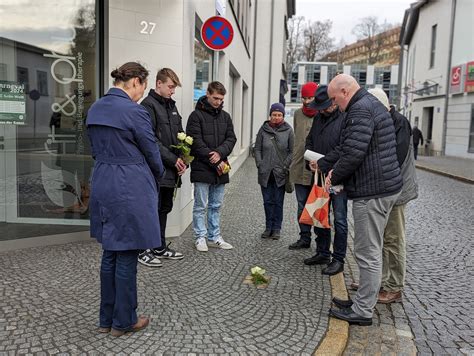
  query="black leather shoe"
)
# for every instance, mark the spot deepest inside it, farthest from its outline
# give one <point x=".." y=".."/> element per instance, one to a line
<point x="317" y="260"/>
<point x="341" y="303"/>
<point x="333" y="268"/>
<point x="275" y="234"/>
<point x="266" y="234"/>
<point x="299" y="245"/>
<point x="349" y="316"/>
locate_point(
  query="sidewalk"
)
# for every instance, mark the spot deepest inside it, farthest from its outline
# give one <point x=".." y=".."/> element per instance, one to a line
<point x="454" y="167"/>
<point x="390" y="333"/>
<point x="49" y="296"/>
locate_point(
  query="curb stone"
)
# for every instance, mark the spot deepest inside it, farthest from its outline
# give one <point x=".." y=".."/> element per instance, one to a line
<point x="335" y="340"/>
<point x="446" y="174"/>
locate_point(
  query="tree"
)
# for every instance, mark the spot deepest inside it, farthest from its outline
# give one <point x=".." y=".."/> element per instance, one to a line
<point x="368" y="30"/>
<point x="294" y="42"/>
<point x="317" y="40"/>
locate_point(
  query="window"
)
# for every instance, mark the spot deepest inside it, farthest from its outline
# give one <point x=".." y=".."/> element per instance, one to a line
<point x="56" y="58"/>
<point x="203" y="66"/>
<point x="22" y="77"/>
<point x="471" y="131"/>
<point x="42" y="82"/>
<point x="433" y="45"/>
<point x="3" y="71"/>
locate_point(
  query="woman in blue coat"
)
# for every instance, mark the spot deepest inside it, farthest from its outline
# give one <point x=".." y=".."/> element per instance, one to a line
<point x="124" y="198"/>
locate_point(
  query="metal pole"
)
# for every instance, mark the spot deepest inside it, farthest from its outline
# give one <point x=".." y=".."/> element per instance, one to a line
<point x="448" y="78"/>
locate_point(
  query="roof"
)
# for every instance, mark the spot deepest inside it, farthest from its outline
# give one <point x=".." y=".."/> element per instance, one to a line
<point x="410" y="21"/>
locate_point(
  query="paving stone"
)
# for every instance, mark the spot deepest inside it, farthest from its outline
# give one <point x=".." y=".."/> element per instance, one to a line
<point x="50" y="295"/>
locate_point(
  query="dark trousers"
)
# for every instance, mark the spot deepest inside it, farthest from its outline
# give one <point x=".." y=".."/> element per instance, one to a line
<point x="302" y="192"/>
<point x="323" y="240"/>
<point x="273" y="198"/>
<point x="165" y="206"/>
<point x="118" y="289"/>
<point x="415" y="151"/>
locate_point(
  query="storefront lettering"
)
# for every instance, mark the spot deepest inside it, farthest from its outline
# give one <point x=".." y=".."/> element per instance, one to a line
<point x="73" y="106"/>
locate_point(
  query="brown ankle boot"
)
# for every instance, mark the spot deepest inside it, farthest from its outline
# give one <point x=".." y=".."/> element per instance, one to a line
<point x="142" y="323"/>
<point x="389" y="297"/>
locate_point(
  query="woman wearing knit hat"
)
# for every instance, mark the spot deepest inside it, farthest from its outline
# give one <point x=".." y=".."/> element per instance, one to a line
<point x="273" y="152"/>
<point x="301" y="176"/>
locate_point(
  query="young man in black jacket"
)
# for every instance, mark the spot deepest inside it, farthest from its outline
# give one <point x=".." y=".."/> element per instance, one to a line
<point x="213" y="141"/>
<point x="167" y="124"/>
<point x="324" y="137"/>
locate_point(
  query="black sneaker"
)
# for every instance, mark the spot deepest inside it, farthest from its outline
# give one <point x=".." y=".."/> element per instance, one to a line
<point x="168" y="253"/>
<point x="299" y="245"/>
<point x="147" y="258"/>
<point x="275" y="234"/>
<point x="266" y="234"/>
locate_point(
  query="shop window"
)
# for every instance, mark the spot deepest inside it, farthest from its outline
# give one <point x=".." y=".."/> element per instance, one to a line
<point x="55" y="61"/>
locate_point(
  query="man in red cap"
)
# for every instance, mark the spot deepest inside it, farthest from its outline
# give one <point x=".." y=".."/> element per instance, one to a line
<point x="299" y="175"/>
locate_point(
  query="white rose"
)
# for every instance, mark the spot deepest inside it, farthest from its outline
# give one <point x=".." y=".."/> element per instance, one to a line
<point x="188" y="140"/>
<point x="181" y="136"/>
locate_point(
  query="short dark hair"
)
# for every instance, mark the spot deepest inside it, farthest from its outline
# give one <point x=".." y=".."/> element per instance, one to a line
<point x="216" y="87"/>
<point x="165" y="73"/>
<point x="129" y="71"/>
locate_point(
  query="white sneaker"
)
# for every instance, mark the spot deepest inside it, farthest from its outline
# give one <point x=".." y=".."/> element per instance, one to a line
<point x="201" y="245"/>
<point x="220" y="243"/>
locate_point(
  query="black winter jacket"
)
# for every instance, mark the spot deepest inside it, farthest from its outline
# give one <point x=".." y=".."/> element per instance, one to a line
<point x="366" y="160"/>
<point x="211" y="130"/>
<point x="417" y="136"/>
<point x="402" y="134"/>
<point x="166" y="123"/>
<point x="325" y="134"/>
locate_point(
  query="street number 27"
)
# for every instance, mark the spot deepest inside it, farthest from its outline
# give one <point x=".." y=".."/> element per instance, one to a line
<point x="147" y="27"/>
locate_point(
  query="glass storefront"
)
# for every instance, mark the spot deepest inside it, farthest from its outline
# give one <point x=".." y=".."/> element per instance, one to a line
<point x="48" y="81"/>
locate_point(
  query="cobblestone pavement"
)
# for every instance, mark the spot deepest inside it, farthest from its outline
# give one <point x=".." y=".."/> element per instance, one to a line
<point x="49" y="296"/>
<point x="438" y="298"/>
<point x="456" y="166"/>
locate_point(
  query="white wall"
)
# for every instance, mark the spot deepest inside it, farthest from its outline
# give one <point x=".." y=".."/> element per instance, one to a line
<point x="460" y="105"/>
<point x="419" y="71"/>
<point x="172" y="45"/>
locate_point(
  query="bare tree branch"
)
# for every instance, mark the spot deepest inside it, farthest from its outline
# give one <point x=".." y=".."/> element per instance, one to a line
<point x="317" y="40"/>
<point x="368" y="30"/>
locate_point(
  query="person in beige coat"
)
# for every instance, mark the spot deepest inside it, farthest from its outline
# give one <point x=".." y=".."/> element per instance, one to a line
<point x="299" y="174"/>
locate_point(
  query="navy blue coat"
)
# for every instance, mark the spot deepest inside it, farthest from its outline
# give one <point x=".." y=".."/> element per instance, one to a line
<point x="128" y="168"/>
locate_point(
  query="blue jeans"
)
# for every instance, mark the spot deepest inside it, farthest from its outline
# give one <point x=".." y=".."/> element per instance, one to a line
<point x="323" y="240"/>
<point x="302" y="192"/>
<point x="273" y="198"/>
<point x="118" y="289"/>
<point x="207" y="197"/>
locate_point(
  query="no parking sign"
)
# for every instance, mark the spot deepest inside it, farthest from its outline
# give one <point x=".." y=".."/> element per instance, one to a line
<point x="217" y="33"/>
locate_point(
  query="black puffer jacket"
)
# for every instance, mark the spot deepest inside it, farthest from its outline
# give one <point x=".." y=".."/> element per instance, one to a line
<point x="325" y="134"/>
<point x="211" y="130"/>
<point x="366" y="159"/>
<point x="166" y="123"/>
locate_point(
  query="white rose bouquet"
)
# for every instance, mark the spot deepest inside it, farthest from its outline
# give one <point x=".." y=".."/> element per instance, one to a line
<point x="184" y="146"/>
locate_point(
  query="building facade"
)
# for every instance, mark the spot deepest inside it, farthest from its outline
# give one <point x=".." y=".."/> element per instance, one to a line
<point x="368" y="76"/>
<point x="384" y="48"/>
<point x="437" y="76"/>
<point x="55" y="61"/>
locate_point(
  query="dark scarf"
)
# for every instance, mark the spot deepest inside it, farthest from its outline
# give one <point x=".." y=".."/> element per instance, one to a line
<point x="274" y="126"/>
